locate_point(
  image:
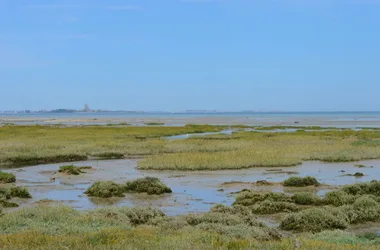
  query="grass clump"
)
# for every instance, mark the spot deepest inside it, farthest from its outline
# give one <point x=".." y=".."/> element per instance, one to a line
<point x="238" y="222"/>
<point x="20" y="192"/>
<point x="105" y="189"/>
<point x="7" y="177"/>
<point x="364" y="209"/>
<point x="70" y="170"/>
<point x="306" y="198"/>
<point x="273" y="207"/>
<point x="249" y="198"/>
<point x="315" y="220"/>
<point x="338" y="198"/>
<point x="296" y="181"/>
<point x="372" y="187"/>
<point x="149" y="185"/>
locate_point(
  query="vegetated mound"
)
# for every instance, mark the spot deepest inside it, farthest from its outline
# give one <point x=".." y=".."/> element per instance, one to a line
<point x="315" y="220"/>
<point x="353" y="204"/>
<point x="236" y="221"/>
<point x="72" y="170"/>
<point x="20" y="192"/>
<point x="296" y="181"/>
<point x="6" y="194"/>
<point x="7" y="178"/>
<point x="306" y="198"/>
<point x="105" y="189"/>
<point x="149" y="185"/>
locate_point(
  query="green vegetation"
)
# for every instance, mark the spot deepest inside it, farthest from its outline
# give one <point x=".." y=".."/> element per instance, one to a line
<point x="339" y="198"/>
<point x="105" y="189"/>
<point x="154" y="123"/>
<point x="7" y="177"/>
<point x="222" y="227"/>
<point x="7" y="193"/>
<point x="108" y="189"/>
<point x="32" y="145"/>
<point x="29" y="145"/>
<point x="273" y="207"/>
<point x="249" y="198"/>
<point x="296" y="181"/>
<point x="306" y="198"/>
<point x="20" y="192"/>
<point x="149" y="185"/>
<point x="315" y="220"/>
<point x="72" y="170"/>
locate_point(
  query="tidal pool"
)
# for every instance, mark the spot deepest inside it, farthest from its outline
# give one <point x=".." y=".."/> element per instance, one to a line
<point x="192" y="191"/>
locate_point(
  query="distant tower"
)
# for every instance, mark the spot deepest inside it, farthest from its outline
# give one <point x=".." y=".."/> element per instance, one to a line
<point x="86" y="108"/>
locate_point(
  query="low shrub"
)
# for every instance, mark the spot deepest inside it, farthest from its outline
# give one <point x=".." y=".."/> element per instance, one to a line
<point x="273" y="207"/>
<point x="149" y="185"/>
<point x="105" y="189"/>
<point x="338" y="198"/>
<point x="248" y="197"/>
<point x="306" y="198"/>
<point x="70" y="170"/>
<point x="372" y="187"/>
<point x="296" y="181"/>
<point x="7" y="177"/>
<point x="237" y="221"/>
<point x="315" y="220"/>
<point x="20" y="192"/>
<point x="5" y="203"/>
<point x="5" y="194"/>
<point x="142" y="215"/>
<point x="364" y="209"/>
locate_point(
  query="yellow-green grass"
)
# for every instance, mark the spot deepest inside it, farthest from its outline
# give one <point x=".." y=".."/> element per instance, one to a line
<point x="27" y="145"/>
<point x="250" y="149"/>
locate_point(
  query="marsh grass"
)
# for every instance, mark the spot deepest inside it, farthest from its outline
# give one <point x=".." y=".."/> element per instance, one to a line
<point x="105" y="189"/>
<point x="274" y="207"/>
<point x="296" y="181"/>
<point x="7" y="177"/>
<point x="31" y="145"/>
<point x="45" y="227"/>
<point x="20" y="192"/>
<point x="315" y="220"/>
<point x="149" y="185"/>
<point x="70" y="170"/>
<point x="353" y="204"/>
<point x="306" y="198"/>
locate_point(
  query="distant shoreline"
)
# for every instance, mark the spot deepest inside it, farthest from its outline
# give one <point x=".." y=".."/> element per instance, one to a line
<point x="331" y="119"/>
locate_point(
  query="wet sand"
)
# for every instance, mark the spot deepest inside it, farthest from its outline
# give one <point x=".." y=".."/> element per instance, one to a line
<point x="192" y="191"/>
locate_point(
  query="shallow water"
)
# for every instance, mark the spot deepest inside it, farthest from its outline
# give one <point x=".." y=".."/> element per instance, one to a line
<point x="192" y="191"/>
<point x="185" y="136"/>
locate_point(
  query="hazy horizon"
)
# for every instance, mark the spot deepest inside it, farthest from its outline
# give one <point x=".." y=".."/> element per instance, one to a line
<point x="190" y="55"/>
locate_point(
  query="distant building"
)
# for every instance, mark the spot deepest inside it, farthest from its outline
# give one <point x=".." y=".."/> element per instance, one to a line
<point x="86" y="108"/>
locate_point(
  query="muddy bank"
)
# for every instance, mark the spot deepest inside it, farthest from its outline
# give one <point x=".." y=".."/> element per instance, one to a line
<point x="192" y="191"/>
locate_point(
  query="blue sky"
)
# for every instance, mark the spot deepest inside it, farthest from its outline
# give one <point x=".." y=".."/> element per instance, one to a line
<point x="294" y="55"/>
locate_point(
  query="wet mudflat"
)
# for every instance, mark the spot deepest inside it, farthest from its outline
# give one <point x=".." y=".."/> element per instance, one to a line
<point x="193" y="192"/>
